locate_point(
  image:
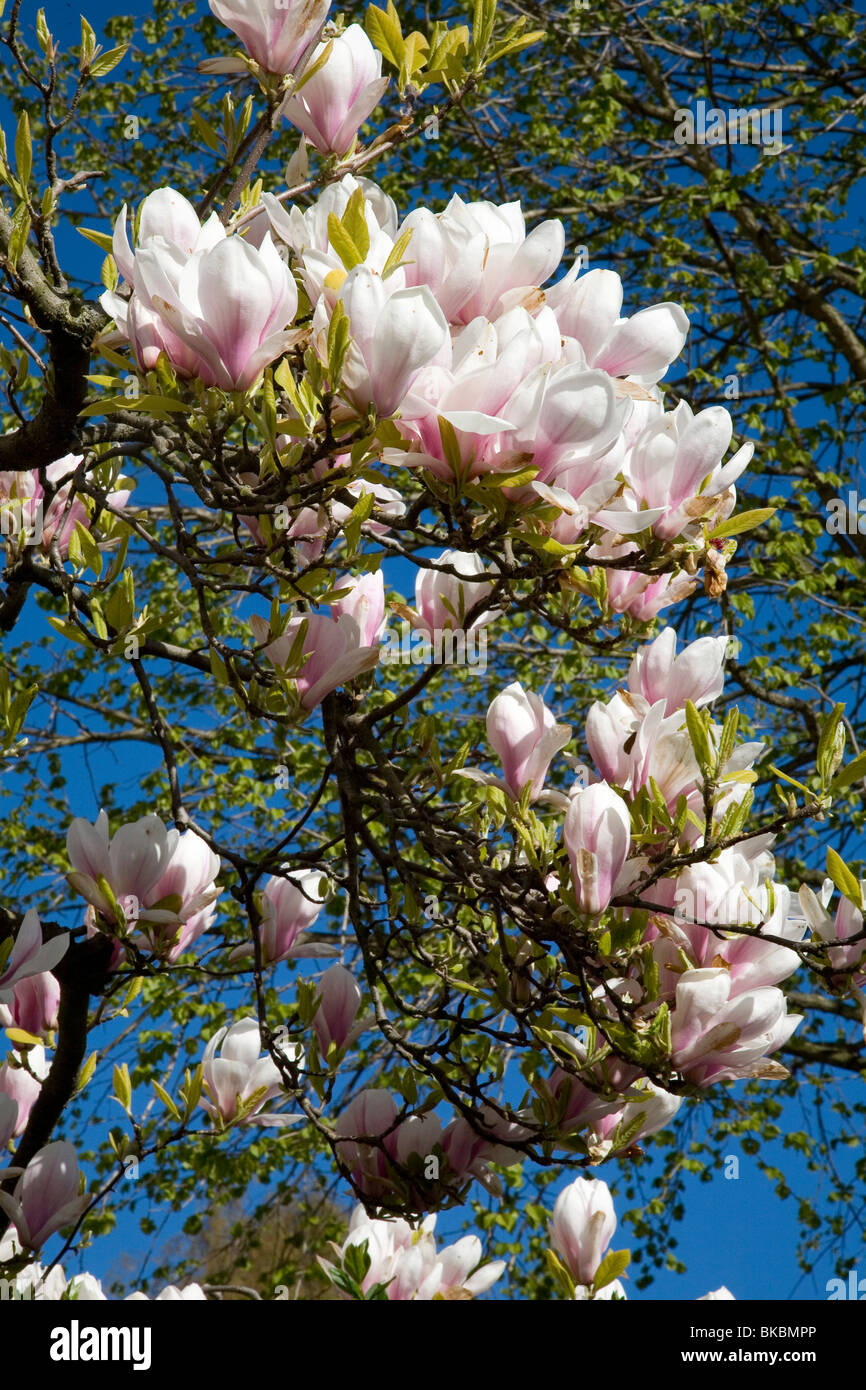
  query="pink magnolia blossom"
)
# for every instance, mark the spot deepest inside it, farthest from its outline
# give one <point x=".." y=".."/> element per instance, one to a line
<point x="290" y="904"/>
<point x="394" y="333"/>
<point x="717" y="1037"/>
<point x="443" y="600"/>
<point x="582" y="1227"/>
<point x="23" y="1083"/>
<point x="29" y="955"/>
<point x="373" y="1114"/>
<point x="697" y="674"/>
<point x="365" y="602"/>
<point x="277" y="36"/>
<point x="217" y="306"/>
<point x="173" y="1293"/>
<point x="26" y="519"/>
<point x="335" y="102"/>
<point x="469" y="1148"/>
<point x="525" y="737"/>
<point x="46" y="1197"/>
<point x="588" y="309"/>
<point x="709" y="902"/>
<point x="477" y="258"/>
<point x="34" y="1004"/>
<point x="676" y="463"/>
<point x="597" y="835"/>
<point x="847" y="922"/>
<point x="512" y="401"/>
<point x="240" y="1075"/>
<point x="642" y="596"/>
<point x="161" y="879"/>
<point x="307" y="234"/>
<point x="339" y="1002"/>
<point x="405" y="1259"/>
<point x="332" y="653"/>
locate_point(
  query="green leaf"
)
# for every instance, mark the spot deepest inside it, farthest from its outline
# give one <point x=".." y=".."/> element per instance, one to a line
<point x="612" y="1266"/>
<point x="847" y="883"/>
<point x="123" y="1086"/>
<point x="384" y="31"/>
<point x="108" y="61"/>
<point x="166" y="1100"/>
<point x="361" y="512"/>
<point x="43" y="33"/>
<point x="342" y="242"/>
<point x="700" y="738"/>
<point x="854" y="772"/>
<point x="88" y="45"/>
<point x="23" y="150"/>
<point x="338" y="344"/>
<point x="744" y="521"/>
<point x="86" y="1073"/>
<point x="395" y="255"/>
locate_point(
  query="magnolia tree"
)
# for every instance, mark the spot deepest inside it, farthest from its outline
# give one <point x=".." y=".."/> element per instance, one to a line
<point x="338" y="506"/>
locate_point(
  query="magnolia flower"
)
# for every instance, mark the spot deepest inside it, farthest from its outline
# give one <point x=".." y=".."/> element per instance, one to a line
<point x="276" y="35"/>
<point x="717" y="1037"/>
<point x="676" y="464"/>
<point x="477" y="258"/>
<point x="652" y="1110"/>
<point x="406" y="1260"/>
<point x="644" y="345"/>
<point x="718" y="1295"/>
<point x="339" y="1001"/>
<point x="34" y="1004"/>
<point x="697" y="674"/>
<point x="443" y="600"/>
<point x="28" y="520"/>
<point x="847" y="922"/>
<point x="32" y="1282"/>
<point x="511" y="402"/>
<point x="582" y="1227"/>
<point x="130" y="863"/>
<point x="525" y="736"/>
<point x="469" y="1148"/>
<point x="240" y="1081"/>
<point x="173" y="1293"/>
<point x="228" y="306"/>
<point x="308" y="235"/>
<point x="725" y="894"/>
<point x="373" y="1114"/>
<point x="185" y="892"/>
<point x="290" y="904"/>
<point x="217" y="306"/>
<point x="643" y="596"/>
<point x="365" y="602"/>
<point x="597" y="836"/>
<point x="29" y="955"/>
<point x="161" y="880"/>
<point x="22" y="1084"/>
<point x="331" y="652"/>
<point x="393" y="335"/>
<point x="46" y="1197"/>
<point x="334" y="103"/>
